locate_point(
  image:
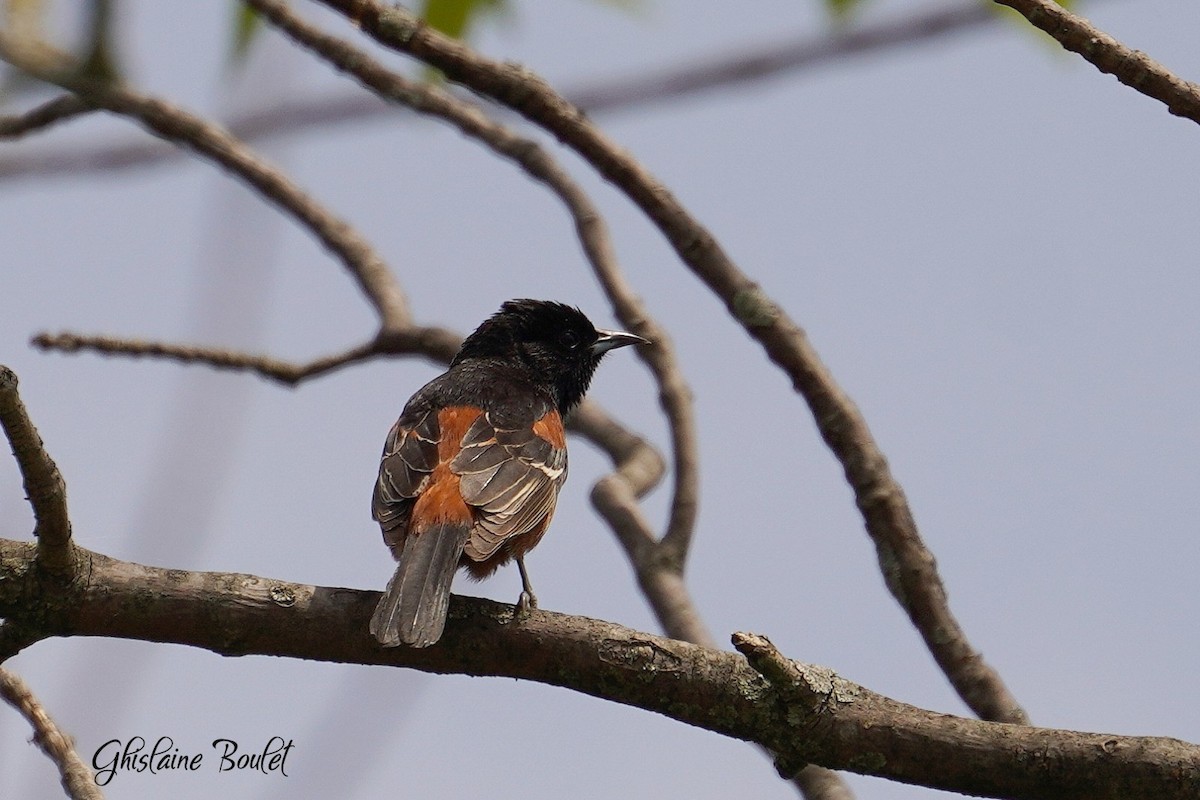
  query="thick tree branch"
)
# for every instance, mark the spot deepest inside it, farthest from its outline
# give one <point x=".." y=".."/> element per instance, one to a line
<point x="13" y="639"/>
<point x="216" y="144"/>
<point x="909" y="568"/>
<point x="44" y="485"/>
<point x="823" y="698"/>
<point x="803" y="713"/>
<point x="1131" y="67"/>
<point x="77" y="779"/>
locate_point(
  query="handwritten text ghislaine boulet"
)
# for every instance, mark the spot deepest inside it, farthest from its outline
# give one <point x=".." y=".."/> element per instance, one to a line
<point x="133" y="755"/>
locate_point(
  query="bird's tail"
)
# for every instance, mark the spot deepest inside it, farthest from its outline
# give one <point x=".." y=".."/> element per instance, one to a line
<point x="414" y="605"/>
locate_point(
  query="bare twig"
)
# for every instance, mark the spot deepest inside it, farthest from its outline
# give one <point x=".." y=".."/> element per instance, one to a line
<point x="77" y="779"/>
<point x="909" y="568"/>
<point x="219" y="358"/>
<point x="631" y="454"/>
<point x="219" y="146"/>
<point x="669" y="552"/>
<point x="44" y="485"/>
<point x="42" y="117"/>
<point x="1131" y="67"/>
<point x="74" y="162"/>
<point x="777" y="59"/>
<point x="604" y="96"/>
<point x="636" y="462"/>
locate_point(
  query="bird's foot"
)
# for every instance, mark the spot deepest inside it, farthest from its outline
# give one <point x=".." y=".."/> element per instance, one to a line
<point x="526" y="603"/>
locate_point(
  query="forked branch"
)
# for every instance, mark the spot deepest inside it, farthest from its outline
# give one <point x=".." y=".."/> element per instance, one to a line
<point x="44" y="485"/>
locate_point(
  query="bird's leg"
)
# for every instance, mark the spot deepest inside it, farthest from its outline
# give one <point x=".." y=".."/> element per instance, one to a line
<point x="528" y="598"/>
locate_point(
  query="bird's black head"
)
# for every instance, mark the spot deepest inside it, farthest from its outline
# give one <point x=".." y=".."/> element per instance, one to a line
<point x="555" y="343"/>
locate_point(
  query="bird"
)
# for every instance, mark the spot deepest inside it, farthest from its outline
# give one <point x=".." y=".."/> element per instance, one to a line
<point x="471" y="470"/>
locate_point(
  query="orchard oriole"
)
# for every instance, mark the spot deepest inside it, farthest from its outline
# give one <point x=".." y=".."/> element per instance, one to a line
<point x="471" y="470"/>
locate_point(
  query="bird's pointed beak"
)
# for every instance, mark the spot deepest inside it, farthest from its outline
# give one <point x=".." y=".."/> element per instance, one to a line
<point x="611" y="340"/>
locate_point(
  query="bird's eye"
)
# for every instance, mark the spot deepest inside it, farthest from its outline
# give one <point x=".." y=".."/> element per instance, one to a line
<point x="570" y="339"/>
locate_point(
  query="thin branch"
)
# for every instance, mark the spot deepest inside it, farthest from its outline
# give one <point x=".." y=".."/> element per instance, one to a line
<point x="219" y="358"/>
<point x="44" y="485"/>
<point x="1131" y="67"/>
<point x="219" y="146"/>
<point x="630" y="453"/>
<point x="637" y="468"/>
<point x="77" y="779"/>
<point x="803" y="713"/>
<point x="42" y="117"/>
<point x="909" y="568"/>
<point x="604" y="96"/>
<point x="72" y="162"/>
<point x="774" y="60"/>
<point x="632" y="456"/>
<point x="675" y="396"/>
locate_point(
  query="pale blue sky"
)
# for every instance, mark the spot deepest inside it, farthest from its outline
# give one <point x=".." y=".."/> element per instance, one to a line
<point x="992" y="245"/>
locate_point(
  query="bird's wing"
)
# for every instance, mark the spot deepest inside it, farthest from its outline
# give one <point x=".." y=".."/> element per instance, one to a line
<point x="410" y="455"/>
<point x="511" y="477"/>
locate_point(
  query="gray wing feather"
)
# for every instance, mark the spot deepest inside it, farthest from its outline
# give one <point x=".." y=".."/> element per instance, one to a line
<point x="512" y="477"/>
<point x="410" y="454"/>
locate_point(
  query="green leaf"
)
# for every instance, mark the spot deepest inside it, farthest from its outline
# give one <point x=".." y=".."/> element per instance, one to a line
<point x="246" y="24"/>
<point x="841" y="9"/>
<point x="455" y="17"/>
